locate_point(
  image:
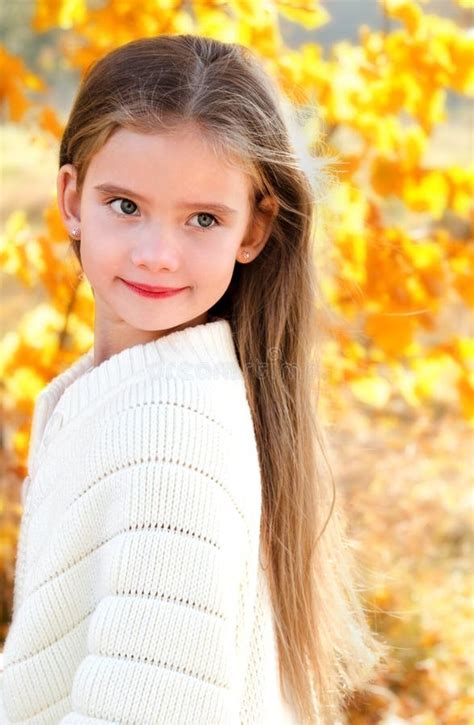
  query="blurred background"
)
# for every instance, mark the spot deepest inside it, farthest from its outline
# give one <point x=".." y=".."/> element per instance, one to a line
<point x="392" y="82"/>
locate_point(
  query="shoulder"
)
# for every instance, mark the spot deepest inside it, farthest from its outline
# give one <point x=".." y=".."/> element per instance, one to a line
<point x="215" y="398"/>
<point x="173" y="416"/>
<point x="200" y="426"/>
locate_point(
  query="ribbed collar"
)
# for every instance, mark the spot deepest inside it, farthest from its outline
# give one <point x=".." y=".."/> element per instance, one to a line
<point x="204" y="351"/>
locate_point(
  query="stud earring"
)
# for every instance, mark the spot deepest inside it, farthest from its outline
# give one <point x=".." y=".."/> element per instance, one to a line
<point x="245" y="255"/>
<point x="75" y="231"/>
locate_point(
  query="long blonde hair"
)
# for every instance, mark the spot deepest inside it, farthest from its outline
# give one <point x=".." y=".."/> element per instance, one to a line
<point x="275" y="310"/>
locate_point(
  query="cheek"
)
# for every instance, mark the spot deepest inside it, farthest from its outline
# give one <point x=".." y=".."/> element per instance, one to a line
<point x="100" y="256"/>
<point x="214" y="273"/>
<point x="218" y="268"/>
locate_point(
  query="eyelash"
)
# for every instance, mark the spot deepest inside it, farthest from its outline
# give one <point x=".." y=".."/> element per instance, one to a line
<point x="123" y="198"/>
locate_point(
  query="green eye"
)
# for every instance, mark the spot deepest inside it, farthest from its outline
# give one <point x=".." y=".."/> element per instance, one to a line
<point x="210" y="218"/>
<point x="124" y="206"/>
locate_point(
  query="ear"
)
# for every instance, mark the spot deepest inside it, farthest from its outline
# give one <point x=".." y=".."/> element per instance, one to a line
<point x="260" y="227"/>
<point x="68" y="197"/>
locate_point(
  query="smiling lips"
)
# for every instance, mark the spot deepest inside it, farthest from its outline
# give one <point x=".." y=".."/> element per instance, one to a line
<point x="149" y="288"/>
<point x="147" y="291"/>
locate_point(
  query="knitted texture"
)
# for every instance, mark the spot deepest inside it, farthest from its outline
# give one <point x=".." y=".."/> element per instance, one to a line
<point x="140" y="591"/>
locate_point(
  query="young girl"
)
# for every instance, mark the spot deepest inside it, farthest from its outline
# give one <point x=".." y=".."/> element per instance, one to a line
<point x="181" y="558"/>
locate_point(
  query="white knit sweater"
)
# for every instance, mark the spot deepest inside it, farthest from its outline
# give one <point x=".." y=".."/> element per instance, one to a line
<point x="140" y="594"/>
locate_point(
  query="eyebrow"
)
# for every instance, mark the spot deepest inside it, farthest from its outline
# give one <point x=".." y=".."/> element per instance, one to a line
<point x="107" y="188"/>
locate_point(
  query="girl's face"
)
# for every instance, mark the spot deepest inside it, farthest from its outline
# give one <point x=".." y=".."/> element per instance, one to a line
<point x="148" y="213"/>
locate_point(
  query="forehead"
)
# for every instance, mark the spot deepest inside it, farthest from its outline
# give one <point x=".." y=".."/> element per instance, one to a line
<point x="181" y="157"/>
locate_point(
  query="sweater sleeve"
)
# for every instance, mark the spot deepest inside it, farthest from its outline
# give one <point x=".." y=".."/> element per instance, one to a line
<point x="163" y="643"/>
<point x="20" y="551"/>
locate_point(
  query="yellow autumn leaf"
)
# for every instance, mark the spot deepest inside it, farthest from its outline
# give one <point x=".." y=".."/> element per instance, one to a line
<point x="414" y="144"/>
<point x="308" y="13"/>
<point x="259" y="14"/>
<point x="372" y="390"/>
<point x="23" y="384"/>
<point x="465" y="387"/>
<point x="406" y="11"/>
<point x="385" y="176"/>
<point x="14" y="239"/>
<point x="213" y="22"/>
<point x="426" y="191"/>
<point x="392" y="332"/>
<point x="49" y="121"/>
<point x="39" y="327"/>
<point x="55" y="225"/>
<point x="461" y="188"/>
<point x="9" y="343"/>
<point x="405" y="382"/>
<point x="465" y="349"/>
<point x="425" y="254"/>
<point x="433" y="374"/>
<point x="62" y="13"/>
<point x="21" y="440"/>
<point x="462" y="49"/>
<point x="463" y="283"/>
<point x="15" y="78"/>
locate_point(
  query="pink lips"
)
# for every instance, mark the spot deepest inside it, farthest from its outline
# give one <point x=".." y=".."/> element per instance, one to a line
<point x="147" y="291"/>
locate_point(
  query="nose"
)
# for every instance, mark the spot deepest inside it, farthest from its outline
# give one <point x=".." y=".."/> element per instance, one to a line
<point x="156" y="251"/>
